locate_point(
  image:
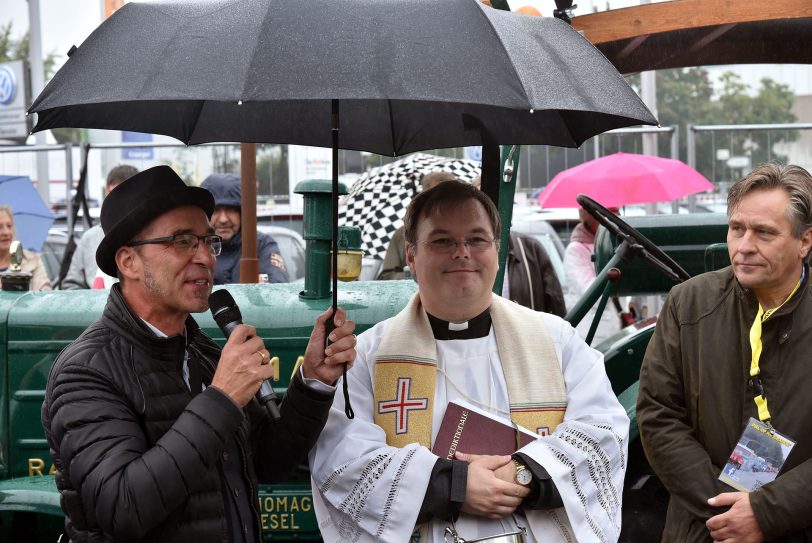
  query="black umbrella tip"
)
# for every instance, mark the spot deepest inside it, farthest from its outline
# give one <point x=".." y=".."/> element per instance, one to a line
<point x="72" y="50"/>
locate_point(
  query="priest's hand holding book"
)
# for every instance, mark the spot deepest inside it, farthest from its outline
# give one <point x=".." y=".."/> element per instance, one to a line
<point x="492" y="490"/>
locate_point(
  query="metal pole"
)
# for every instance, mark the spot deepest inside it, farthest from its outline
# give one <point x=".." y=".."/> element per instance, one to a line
<point x="648" y="91"/>
<point x="751" y="127"/>
<point x="690" y="143"/>
<point x="69" y="181"/>
<point x="675" y="156"/>
<point x="37" y="84"/>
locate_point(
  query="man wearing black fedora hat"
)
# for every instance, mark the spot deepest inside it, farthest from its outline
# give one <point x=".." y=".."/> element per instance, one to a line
<point x="154" y="430"/>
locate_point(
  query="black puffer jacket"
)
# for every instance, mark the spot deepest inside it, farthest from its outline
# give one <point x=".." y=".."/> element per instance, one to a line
<point x="138" y="458"/>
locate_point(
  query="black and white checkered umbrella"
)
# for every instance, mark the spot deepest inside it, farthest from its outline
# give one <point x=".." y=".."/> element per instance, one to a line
<point x="378" y="200"/>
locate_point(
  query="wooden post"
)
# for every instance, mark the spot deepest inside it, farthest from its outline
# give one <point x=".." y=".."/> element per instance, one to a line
<point x="249" y="265"/>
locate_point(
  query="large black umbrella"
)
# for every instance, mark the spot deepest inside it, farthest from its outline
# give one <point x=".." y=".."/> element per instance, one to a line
<point x="405" y="75"/>
<point x="406" y="72"/>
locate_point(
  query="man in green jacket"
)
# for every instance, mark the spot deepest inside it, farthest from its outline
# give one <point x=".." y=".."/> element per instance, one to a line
<point x="732" y="345"/>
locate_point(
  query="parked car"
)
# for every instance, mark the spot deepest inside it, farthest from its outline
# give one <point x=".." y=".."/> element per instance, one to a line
<point x="562" y="220"/>
<point x="279" y="215"/>
<point x="53" y="249"/>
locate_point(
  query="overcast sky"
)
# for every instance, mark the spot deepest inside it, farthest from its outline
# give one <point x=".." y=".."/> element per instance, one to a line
<point x="63" y="22"/>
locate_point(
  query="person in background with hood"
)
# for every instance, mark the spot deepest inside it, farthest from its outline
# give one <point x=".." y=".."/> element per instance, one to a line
<point x="226" y="221"/>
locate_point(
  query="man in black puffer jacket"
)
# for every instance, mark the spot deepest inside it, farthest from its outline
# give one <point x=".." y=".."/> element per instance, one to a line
<point x="154" y="430"/>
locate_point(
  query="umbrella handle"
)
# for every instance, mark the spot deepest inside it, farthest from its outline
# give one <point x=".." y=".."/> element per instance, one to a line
<point x="330" y="324"/>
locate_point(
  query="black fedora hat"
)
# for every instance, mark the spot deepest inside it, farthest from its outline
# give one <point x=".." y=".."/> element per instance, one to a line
<point x="139" y="200"/>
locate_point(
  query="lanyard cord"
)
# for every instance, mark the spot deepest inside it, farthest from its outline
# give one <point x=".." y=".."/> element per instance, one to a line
<point x="755" y="347"/>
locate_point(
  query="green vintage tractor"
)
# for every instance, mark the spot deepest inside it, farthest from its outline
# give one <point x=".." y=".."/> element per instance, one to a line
<point x="36" y="326"/>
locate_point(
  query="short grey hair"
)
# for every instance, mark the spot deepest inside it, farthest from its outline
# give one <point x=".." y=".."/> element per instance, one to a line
<point x="795" y="180"/>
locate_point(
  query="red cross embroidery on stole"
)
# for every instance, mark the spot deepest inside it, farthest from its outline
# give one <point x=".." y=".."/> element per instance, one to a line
<point x="402" y="404"/>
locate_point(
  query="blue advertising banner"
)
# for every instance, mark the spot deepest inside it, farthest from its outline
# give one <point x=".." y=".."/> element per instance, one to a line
<point x="137" y="153"/>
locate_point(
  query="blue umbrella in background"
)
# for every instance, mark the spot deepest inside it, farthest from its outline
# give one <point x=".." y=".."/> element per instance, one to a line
<point x="32" y="218"/>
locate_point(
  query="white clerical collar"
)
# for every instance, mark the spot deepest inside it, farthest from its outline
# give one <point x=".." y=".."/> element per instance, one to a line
<point x="476" y="327"/>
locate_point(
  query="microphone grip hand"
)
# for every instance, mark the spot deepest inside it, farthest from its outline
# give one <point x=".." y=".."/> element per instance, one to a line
<point x="267" y="397"/>
<point x="237" y="367"/>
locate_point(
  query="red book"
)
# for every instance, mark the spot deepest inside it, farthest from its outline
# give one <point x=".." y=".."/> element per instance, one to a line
<point x="466" y="428"/>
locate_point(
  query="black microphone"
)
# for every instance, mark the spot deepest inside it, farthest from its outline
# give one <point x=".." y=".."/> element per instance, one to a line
<point x="227" y="316"/>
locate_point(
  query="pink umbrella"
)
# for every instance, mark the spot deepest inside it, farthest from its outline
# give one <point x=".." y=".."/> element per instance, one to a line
<point x="624" y="178"/>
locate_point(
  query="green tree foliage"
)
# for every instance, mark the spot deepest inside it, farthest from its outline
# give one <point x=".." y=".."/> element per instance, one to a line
<point x="11" y="49"/>
<point x="18" y="49"/>
<point x="771" y="104"/>
<point x="686" y="96"/>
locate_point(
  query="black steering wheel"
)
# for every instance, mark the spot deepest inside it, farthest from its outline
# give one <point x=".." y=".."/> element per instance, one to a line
<point x="639" y="243"/>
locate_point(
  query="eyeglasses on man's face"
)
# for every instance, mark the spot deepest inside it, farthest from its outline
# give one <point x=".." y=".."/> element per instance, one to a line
<point x="186" y="243"/>
<point x="475" y="244"/>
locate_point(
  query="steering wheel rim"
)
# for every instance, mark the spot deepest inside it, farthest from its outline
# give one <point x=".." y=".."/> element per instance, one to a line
<point x="624" y="231"/>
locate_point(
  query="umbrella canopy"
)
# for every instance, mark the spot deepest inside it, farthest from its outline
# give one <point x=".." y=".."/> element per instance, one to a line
<point x="378" y="200"/>
<point x="624" y="178"/>
<point x="408" y="74"/>
<point x="32" y="218"/>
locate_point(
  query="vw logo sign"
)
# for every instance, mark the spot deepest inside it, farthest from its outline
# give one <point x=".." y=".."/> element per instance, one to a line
<point x="8" y="86"/>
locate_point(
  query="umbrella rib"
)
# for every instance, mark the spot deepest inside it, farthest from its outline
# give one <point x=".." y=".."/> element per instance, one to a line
<point x="575" y="145"/>
<point x="506" y="49"/>
<point x="249" y="72"/>
<point x="193" y="128"/>
<point x="391" y="126"/>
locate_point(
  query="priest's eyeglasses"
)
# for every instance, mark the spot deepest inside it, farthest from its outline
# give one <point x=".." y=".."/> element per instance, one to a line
<point x="475" y="244"/>
<point x="186" y="243"/>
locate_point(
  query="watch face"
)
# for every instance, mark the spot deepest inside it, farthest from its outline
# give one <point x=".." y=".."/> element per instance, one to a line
<point x="524" y="476"/>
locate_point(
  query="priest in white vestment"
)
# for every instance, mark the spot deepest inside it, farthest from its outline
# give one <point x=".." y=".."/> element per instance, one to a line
<point x="375" y="477"/>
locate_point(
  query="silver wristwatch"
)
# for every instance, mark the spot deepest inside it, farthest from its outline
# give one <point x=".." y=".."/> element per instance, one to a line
<point x="523" y="475"/>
